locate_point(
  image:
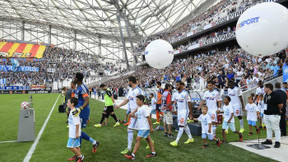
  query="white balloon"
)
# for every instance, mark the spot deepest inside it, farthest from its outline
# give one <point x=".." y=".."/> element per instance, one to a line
<point x="159" y="54"/>
<point x="263" y="29"/>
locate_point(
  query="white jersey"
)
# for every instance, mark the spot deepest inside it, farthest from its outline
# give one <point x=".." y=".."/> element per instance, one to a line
<point x="261" y="106"/>
<point x="142" y="121"/>
<point x="153" y="103"/>
<point x="131" y="96"/>
<point x="205" y="121"/>
<point x="251" y="111"/>
<point x="228" y="110"/>
<point x="234" y="95"/>
<point x="72" y="122"/>
<point x="182" y="100"/>
<point x="260" y="91"/>
<point x="211" y="99"/>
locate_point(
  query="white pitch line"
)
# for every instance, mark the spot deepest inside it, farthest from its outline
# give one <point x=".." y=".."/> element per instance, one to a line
<point x="8" y="141"/>
<point x="32" y="149"/>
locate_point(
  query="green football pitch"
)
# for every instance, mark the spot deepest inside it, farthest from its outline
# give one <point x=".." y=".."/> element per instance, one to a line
<point x="52" y="144"/>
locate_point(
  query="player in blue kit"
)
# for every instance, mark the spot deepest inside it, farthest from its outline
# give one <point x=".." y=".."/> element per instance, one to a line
<point x="82" y="108"/>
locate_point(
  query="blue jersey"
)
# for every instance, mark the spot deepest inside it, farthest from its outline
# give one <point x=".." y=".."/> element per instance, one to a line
<point x="80" y="93"/>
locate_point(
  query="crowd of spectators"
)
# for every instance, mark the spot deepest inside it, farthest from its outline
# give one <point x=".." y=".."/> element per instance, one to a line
<point x="56" y="64"/>
<point x="198" y="23"/>
<point x="218" y="66"/>
<point x="212" y="35"/>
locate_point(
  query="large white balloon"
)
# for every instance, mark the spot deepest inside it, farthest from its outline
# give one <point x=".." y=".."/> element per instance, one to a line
<point x="263" y="29"/>
<point x="159" y="54"/>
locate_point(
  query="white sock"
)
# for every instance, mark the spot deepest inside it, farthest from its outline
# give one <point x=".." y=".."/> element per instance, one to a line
<point x="180" y="132"/>
<point x="241" y="124"/>
<point x="187" y="130"/>
<point x="130" y="139"/>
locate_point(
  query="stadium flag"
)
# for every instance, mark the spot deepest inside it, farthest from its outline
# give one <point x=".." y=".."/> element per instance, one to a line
<point x="15" y="64"/>
<point x="285" y="73"/>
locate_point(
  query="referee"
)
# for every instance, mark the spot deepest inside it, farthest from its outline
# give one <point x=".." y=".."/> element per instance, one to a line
<point x="272" y="115"/>
<point x="109" y="108"/>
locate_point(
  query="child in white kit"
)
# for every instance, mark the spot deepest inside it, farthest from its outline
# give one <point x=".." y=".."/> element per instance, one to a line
<point x="252" y="114"/>
<point x="206" y="123"/>
<point x="144" y="128"/>
<point x="74" y="132"/>
<point x="228" y="111"/>
<point x="261" y="110"/>
<point x="153" y="104"/>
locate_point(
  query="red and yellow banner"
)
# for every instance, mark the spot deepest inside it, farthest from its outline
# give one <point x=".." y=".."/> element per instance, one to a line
<point x="9" y="49"/>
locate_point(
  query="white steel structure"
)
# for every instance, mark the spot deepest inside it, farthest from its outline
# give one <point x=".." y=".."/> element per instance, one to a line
<point x="106" y="28"/>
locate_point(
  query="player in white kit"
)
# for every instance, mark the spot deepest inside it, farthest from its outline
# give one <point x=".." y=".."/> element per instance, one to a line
<point x="259" y="91"/>
<point x="213" y="102"/>
<point x="182" y="99"/>
<point x="131" y="100"/>
<point x="237" y="102"/>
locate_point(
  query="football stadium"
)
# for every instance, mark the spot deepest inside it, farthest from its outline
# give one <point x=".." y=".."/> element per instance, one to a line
<point x="143" y="80"/>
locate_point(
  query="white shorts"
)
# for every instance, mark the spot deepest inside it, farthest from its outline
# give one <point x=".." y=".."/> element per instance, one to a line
<point x="168" y="117"/>
<point x="237" y="110"/>
<point x="182" y="117"/>
<point x="133" y="124"/>
<point x="213" y="116"/>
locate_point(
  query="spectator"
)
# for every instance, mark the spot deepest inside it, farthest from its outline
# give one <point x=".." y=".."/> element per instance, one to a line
<point x="272" y="115"/>
<point x="282" y="94"/>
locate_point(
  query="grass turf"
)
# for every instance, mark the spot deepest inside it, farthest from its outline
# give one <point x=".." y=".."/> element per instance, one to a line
<point x="52" y="145"/>
<point x="10" y="106"/>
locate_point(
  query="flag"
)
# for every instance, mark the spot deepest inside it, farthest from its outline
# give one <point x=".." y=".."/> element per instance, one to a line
<point x="15" y="64"/>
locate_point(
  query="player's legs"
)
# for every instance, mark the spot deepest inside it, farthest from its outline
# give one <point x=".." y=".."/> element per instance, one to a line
<point x="165" y="124"/>
<point x="181" y="123"/>
<point x="112" y="114"/>
<point x="73" y="144"/>
<point x="108" y="112"/>
<point x="187" y="131"/>
<point x="130" y="129"/>
<point x="130" y="139"/>
<point x="76" y="152"/>
<point x="79" y="149"/>
<point x="103" y="117"/>
<point x="224" y="134"/>
<point x="137" y="145"/>
<point x="224" y="127"/>
<point x="260" y="121"/>
<point x="232" y="127"/>
<point x="241" y="123"/>
<point x="115" y="118"/>
<point x="165" y="127"/>
<point x="204" y="136"/>
<point x="180" y="132"/>
<point x="86" y="136"/>
<point x="169" y="122"/>
<point x="157" y="113"/>
<point x="150" y="143"/>
<point x="213" y="116"/>
<point x="250" y="130"/>
<point x="238" y="113"/>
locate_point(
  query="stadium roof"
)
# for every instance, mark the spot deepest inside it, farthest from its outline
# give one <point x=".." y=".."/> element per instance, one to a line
<point x="100" y="17"/>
